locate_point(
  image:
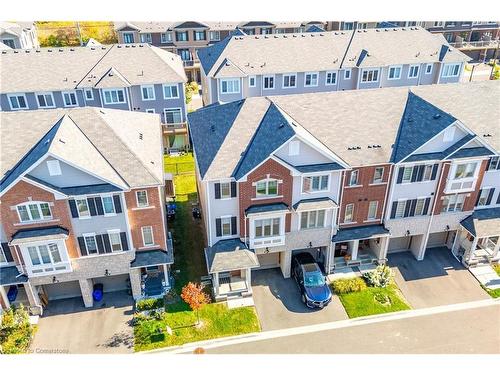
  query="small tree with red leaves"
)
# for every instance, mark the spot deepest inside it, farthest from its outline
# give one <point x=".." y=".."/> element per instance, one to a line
<point x="195" y="297"/>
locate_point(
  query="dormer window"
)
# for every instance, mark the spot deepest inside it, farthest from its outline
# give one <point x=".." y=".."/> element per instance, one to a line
<point x="313" y="184"/>
<point x="34" y="211"/>
<point x="267" y="188"/>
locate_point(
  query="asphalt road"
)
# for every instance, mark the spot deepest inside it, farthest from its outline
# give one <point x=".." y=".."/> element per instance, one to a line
<point x="471" y="331"/>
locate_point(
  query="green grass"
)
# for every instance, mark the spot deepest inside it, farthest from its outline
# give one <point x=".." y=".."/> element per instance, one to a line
<point x="217" y="321"/>
<point x="494" y="293"/>
<point x="496" y="267"/>
<point x="364" y="303"/>
<point x="179" y="164"/>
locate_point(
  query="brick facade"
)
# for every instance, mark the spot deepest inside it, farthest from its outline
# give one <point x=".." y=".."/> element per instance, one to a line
<point x="362" y="195"/>
<point x="247" y="190"/>
<point x="141" y="217"/>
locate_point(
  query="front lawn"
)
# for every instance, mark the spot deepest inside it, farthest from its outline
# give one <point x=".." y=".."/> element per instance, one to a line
<point x="494" y="293"/>
<point x="217" y="321"/>
<point x="179" y="164"/>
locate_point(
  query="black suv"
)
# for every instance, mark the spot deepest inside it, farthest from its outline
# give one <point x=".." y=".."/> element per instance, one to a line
<point x="311" y="281"/>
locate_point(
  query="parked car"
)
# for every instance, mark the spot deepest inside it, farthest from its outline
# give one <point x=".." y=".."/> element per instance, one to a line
<point x="314" y="290"/>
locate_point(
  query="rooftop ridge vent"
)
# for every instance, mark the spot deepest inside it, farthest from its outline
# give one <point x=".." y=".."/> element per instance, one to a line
<point x="437" y="116"/>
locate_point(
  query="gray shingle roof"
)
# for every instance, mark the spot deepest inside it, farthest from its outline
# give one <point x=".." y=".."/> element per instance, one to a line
<point x="360" y="233"/>
<point x="270" y="207"/>
<point x="229" y="255"/>
<point x="318" y="167"/>
<point x="11" y="276"/>
<point x="77" y="190"/>
<point x="314" y="204"/>
<point x="52" y="69"/>
<point x="146" y="258"/>
<point x="45" y="233"/>
<point x="483" y="222"/>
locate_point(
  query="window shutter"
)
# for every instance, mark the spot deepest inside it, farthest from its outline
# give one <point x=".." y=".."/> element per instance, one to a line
<point x="498" y="199"/>
<point x="107" y="243"/>
<point x="93" y="211"/>
<point x="400" y="175"/>
<point x="98" y="205"/>
<point x="434" y="171"/>
<point x="412" y="207"/>
<point x="218" y="227"/>
<point x="118" y="204"/>
<point x="414" y="173"/>
<point x="100" y="244"/>
<point x="407" y="208"/>
<point x="490" y="196"/>
<point x="7" y="252"/>
<point x="488" y="164"/>
<point x="83" y="247"/>
<point x="393" y="210"/>
<point x="217" y="190"/>
<point x="73" y="209"/>
<point x="123" y="237"/>
<point x="234" y="229"/>
<point x="426" y="205"/>
<point x="233" y="189"/>
<point x="478" y="197"/>
<point x="420" y="175"/>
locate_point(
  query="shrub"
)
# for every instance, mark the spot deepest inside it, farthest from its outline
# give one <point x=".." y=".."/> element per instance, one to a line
<point x="194" y="86"/>
<point x="16" y="331"/>
<point x="343" y="286"/>
<point x="380" y="277"/>
<point x="149" y="304"/>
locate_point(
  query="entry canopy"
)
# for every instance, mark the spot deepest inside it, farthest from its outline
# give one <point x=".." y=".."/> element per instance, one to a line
<point x="39" y="234"/>
<point x="360" y="233"/>
<point x="230" y="255"/>
<point x="314" y="204"/>
<point x="483" y="223"/>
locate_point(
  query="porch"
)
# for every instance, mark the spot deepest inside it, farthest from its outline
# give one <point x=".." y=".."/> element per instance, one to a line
<point x="149" y="274"/>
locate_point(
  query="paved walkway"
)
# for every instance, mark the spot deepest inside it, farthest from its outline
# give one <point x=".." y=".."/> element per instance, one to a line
<point x="487" y="276"/>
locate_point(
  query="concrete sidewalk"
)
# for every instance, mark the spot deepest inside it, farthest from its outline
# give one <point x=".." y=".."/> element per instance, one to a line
<point x="487" y="276"/>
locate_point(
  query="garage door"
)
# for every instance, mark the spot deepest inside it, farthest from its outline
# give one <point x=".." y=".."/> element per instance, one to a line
<point x="113" y="283"/>
<point x="437" y="239"/>
<point x="270" y="260"/>
<point x="398" y="244"/>
<point x="62" y="290"/>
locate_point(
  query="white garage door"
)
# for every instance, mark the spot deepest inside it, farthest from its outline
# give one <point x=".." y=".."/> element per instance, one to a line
<point x="113" y="283"/>
<point x="437" y="239"/>
<point x="270" y="260"/>
<point x="68" y="289"/>
<point x="398" y="244"/>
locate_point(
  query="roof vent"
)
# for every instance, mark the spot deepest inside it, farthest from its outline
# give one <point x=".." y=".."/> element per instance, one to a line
<point x="410" y="119"/>
<point x="141" y="136"/>
<point x="418" y="54"/>
<point x="281" y="126"/>
<point x="437" y="116"/>
<point x="377" y="30"/>
<point x="27" y="51"/>
<point x="369" y="146"/>
<point x="61" y="50"/>
<point x="212" y="128"/>
<point x="118" y="46"/>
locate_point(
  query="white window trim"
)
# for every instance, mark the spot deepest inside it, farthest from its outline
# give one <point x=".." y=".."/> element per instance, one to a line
<point x="17" y="95"/>
<point x="352" y="214"/>
<point x="150" y="110"/>
<point x="152" y="236"/>
<point x="114" y="231"/>
<point x="314" y="175"/>
<point x="381" y="178"/>
<point x="137" y="199"/>
<point x="357" y="178"/>
<point x="104" y="91"/>
<point x="308" y="212"/>
<point x="227" y="80"/>
<point x="346" y="72"/>
<point x="63" y="253"/>
<point x="403" y="201"/>
<point x="394" y="67"/>
<point x="267" y="217"/>
<point x="225" y="217"/>
<point x="368" y="218"/>
<point x="222" y="197"/>
<point x="370" y="70"/>
<point x="336" y="77"/>
<point x="317" y="79"/>
<point x="172" y="109"/>
<point x="172" y="97"/>
<point x="418" y="71"/>
<point x="44" y="93"/>
<point x="112" y="202"/>
<point x="267" y="195"/>
<point x="88" y="235"/>
<point x="254" y="81"/>
<point x="76" y="99"/>
<point x="31" y="220"/>
<point x="409" y="181"/>
<point x="85" y="91"/>
<point x="432" y="68"/>
<point x="78" y="210"/>
<point x="283" y="81"/>
<point x="148" y="87"/>
<point x="464" y="195"/>
<point x="264" y="80"/>
<point x="453" y="75"/>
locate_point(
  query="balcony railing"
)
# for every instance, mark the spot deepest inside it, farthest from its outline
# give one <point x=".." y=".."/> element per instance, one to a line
<point x="267" y="241"/>
<point x="175" y="126"/>
<point x="49" y="269"/>
<point x="190" y="63"/>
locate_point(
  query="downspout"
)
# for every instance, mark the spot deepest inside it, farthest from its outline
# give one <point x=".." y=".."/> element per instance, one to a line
<point x="389" y="184"/>
<point x="341" y="190"/>
<point x="209" y="220"/>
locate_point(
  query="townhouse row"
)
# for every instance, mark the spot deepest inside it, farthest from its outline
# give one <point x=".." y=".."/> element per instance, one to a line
<point x="186" y="38"/>
<point x="98" y="76"/>
<point x="243" y="66"/>
<point x="14" y="35"/>
<point x="82" y="204"/>
<point x="350" y="177"/>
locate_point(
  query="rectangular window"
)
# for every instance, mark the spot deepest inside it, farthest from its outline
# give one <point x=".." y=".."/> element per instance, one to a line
<point x="90" y="243"/>
<point x="267" y="188"/>
<point x="483" y="197"/>
<point x="372" y="210"/>
<point x="252" y="81"/>
<point x="353" y="178"/>
<point x="378" y="175"/>
<point x="408" y="171"/>
<point x="413" y="71"/>
<point x="146" y="38"/>
<point x="150" y="110"/>
<point x="311" y="79"/>
<point x="370" y="75"/>
<point x="69" y="98"/>
<point x="115" y="241"/>
<point x="35" y="258"/>
<point x="170" y="92"/>
<point x="267" y="227"/>
<point x="465" y="170"/>
<point x="400" y="209"/>
<point x="453" y="203"/>
<point x="181" y="36"/>
<point x="289" y="80"/>
<point x="54" y="167"/>
<point x="225" y="190"/>
<point x="83" y="207"/>
<point x="268" y="82"/>
<point x="428" y="69"/>
<point x="44" y="254"/>
<point x="148" y="92"/>
<point x="427" y="173"/>
<point x="34" y="211"/>
<point x="226" y="226"/>
<point x="200" y="35"/>
<point x="166" y="37"/>
<point x="108" y="205"/>
<point x="214" y="35"/>
<point x="419" y="207"/>
<point x="312" y="219"/>
<point x="331" y="78"/>
<point x="230" y="86"/>
<point x="315" y="183"/>
<point x="347" y="74"/>
<point x="451" y="70"/>
<point x="17" y="101"/>
<point x="185" y="54"/>
<point x="45" y="100"/>
<point x="394" y="72"/>
<point x="113" y="96"/>
<point x="173" y="116"/>
<point x="266" y="30"/>
<point x="128" y="38"/>
<point x="147" y="236"/>
<point x="494" y="163"/>
<point x="349" y="211"/>
<point x="3" y="258"/>
<point x="89" y="94"/>
<point x="142" y="198"/>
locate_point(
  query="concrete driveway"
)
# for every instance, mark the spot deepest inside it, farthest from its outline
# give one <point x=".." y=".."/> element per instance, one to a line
<point x="68" y="327"/>
<point x="278" y="303"/>
<point x="439" y="279"/>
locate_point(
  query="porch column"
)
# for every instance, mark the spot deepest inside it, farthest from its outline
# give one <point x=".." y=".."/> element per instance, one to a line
<point x="135" y="282"/>
<point x="86" y="289"/>
<point x="496" y="249"/>
<point x="354" y="250"/>
<point x="285" y="263"/>
<point x="215" y="283"/>
<point x="248" y="278"/>
<point x="384" y="245"/>
<point x="32" y="296"/>
<point x="3" y="296"/>
<point x="165" y="271"/>
<point x="473" y="247"/>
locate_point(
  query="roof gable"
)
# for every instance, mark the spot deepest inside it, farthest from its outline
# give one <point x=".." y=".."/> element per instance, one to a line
<point x="191" y="25"/>
<point x="209" y="55"/>
<point x="314" y="29"/>
<point x="421" y="121"/>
